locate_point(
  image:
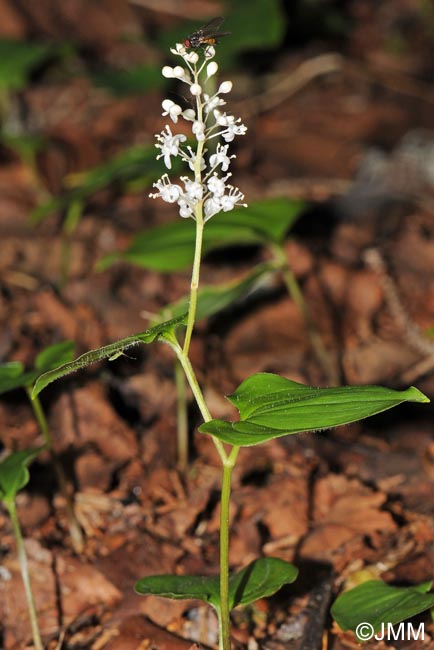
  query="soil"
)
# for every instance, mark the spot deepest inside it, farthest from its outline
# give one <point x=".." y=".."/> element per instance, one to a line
<point x="353" y="135"/>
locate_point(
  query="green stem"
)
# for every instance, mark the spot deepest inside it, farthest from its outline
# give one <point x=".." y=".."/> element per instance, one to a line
<point x="296" y="294"/>
<point x="181" y="418"/>
<point x="224" y="611"/>
<point x="194" y="278"/>
<point x="22" y="558"/>
<point x="64" y="486"/>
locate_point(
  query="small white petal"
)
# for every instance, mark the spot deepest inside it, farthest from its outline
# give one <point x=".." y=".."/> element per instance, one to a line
<point x="225" y="87"/>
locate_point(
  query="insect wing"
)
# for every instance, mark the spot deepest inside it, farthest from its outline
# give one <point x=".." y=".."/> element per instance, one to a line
<point x="211" y="28"/>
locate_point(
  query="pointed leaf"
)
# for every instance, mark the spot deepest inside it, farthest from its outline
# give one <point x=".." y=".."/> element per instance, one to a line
<point x="260" y="579"/>
<point x="271" y="406"/>
<point x="161" y="332"/>
<point x="171" y="247"/>
<point x="181" y="588"/>
<point x="14" y="474"/>
<point x="375" y="602"/>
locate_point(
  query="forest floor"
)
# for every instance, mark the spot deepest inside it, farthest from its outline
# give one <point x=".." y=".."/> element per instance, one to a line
<point x="335" y="502"/>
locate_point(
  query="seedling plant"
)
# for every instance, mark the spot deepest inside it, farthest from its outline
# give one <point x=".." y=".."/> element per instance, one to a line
<point x="270" y="406"/>
<point x="14" y="376"/>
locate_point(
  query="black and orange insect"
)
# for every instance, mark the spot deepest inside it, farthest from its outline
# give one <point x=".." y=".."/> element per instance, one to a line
<point x="206" y="35"/>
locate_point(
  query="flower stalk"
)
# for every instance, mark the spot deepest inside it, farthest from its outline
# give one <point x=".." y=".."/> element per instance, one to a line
<point x="200" y="197"/>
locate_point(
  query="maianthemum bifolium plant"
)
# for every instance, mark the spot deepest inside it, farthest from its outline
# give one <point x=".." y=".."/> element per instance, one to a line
<point x="270" y="406"/>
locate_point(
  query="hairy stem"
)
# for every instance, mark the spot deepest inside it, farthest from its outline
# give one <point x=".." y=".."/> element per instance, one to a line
<point x="64" y="485"/>
<point x="22" y="558"/>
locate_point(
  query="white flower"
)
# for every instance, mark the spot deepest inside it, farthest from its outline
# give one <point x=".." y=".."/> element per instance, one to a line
<point x="171" y="109"/>
<point x="169" y="145"/>
<point x="190" y="159"/>
<point x="232" y="130"/>
<point x="198" y="129"/>
<point x="193" y="189"/>
<point x="229" y="201"/>
<point x="208" y="189"/>
<point x="211" y="103"/>
<point x="221" y="157"/>
<point x="168" y="192"/>
<point x="216" y="185"/>
<point x="185" y="209"/>
<point x="211" y="207"/>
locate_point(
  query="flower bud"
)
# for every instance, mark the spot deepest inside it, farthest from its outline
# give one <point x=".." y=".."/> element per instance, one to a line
<point x="167" y="72"/>
<point x="211" y="68"/>
<point x="195" y="90"/>
<point x="225" y="86"/>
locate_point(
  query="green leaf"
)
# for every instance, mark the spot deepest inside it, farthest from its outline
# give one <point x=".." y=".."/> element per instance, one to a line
<point x="161" y="332"/>
<point x="213" y="299"/>
<point x="54" y="355"/>
<point x="171" y="247"/>
<point x="261" y="578"/>
<point x="135" y="162"/>
<point x="181" y="588"/>
<point x="134" y="81"/>
<point x="14" y="474"/>
<point x="13" y="375"/>
<point x="375" y="602"/>
<point x="271" y="406"/>
<point x="18" y="59"/>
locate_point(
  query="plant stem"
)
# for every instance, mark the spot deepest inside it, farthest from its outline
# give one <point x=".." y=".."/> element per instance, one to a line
<point x="64" y="486"/>
<point x="22" y="558"/>
<point x="181" y="418"/>
<point x="194" y="278"/>
<point x="296" y="294"/>
<point x="224" y="611"/>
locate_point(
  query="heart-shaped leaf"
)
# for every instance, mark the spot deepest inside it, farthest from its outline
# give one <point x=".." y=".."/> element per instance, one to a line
<point x="171" y="247"/>
<point x="271" y="406"/>
<point x="161" y="332"/>
<point x="377" y="603"/>
<point x="14" y="474"/>
<point x="261" y="578"/>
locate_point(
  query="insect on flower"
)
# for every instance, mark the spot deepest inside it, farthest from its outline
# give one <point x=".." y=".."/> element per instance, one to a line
<point x="206" y="35"/>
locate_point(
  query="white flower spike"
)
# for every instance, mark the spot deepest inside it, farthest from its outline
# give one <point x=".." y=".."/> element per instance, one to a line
<point x="207" y="192"/>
